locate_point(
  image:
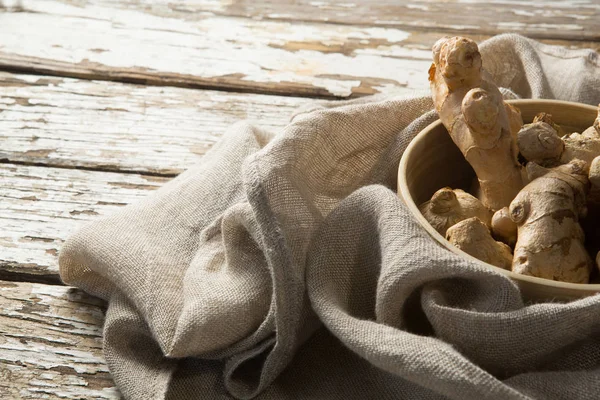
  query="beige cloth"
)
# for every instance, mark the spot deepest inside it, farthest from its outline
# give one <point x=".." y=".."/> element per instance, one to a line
<point x="285" y="267"/>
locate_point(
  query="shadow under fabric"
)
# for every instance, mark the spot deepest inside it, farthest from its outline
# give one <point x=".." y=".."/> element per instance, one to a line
<point x="285" y="267"/>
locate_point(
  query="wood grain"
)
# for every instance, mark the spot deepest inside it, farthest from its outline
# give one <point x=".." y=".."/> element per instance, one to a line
<point x="171" y="45"/>
<point x="42" y="206"/>
<point x="317" y="60"/>
<point x="50" y="344"/>
<point x="558" y="19"/>
<point x="547" y="19"/>
<point x="122" y="127"/>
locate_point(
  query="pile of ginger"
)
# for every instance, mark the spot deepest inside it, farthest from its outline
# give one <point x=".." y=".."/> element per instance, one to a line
<point x="534" y="185"/>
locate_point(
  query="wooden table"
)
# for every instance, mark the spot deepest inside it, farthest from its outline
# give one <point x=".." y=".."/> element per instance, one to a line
<point x="103" y="101"/>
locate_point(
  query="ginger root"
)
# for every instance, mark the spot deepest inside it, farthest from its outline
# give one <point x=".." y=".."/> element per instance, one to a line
<point x="541" y="142"/>
<point x="594" y="130"/>
<point x="503" y="227"/>
<point x="448" y="207"/>
<point x="547" y="118"/>
<point x="473" y="111"/>
<point x="547" y="212"/>
<point x="473" y="237"/>
<point x="594" y="174"/>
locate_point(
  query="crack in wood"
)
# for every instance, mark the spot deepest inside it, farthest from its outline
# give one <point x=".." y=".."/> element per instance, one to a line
<point x="99" y="168"/>
<point x="27" y="272"/>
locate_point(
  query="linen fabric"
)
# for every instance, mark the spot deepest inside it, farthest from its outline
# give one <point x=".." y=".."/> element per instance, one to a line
<point x="285" y="267"/>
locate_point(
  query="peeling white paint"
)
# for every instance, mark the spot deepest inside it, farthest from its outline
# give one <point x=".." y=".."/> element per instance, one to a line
<point x="51" y="217"/>
<point x="45" y="362"/>
<point x="577" y="17"/>
<point x="210" y="48"/>
<point x="280" y="16"/>
<point x="417" y="7"/>
<point x="524" y="13"/>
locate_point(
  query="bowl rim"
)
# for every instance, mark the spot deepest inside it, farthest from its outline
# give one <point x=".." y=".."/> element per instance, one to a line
<point x="404" y="193"/>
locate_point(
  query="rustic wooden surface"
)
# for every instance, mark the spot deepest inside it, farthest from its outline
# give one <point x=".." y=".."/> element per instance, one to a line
<point x="50" y="344"/>
<point x="156" y="45"/>
<point x="41" y="206"/>
<point x="74" y="123"/>
<point x="572" y="19"/>
<point x="102" y="101"/>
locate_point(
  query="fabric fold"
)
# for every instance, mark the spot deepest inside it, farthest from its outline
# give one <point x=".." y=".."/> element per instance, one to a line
<point x="477" y="329"/>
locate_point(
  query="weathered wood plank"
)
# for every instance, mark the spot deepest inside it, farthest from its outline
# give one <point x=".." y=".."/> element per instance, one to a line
<point x="550" y="19"/>
<point x="50" y="344"/>
<point x="210" y="52"/>
<point x="42" y="206"/>
<point x="122" y="127"/>
<point x="168" y="44"/>
<point x="562" y="19"/>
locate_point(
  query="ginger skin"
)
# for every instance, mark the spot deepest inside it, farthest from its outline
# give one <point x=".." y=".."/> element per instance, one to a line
<point x="448" y="207"/>
<point x="503" y="227"/>
<point x="542" y="143"/>
<point x="473" y="111"/>
<point x="594" y="173"/>
<point x="473" y="237"/>
<point x="547" y="212"/>
<point x="547" y="118"/>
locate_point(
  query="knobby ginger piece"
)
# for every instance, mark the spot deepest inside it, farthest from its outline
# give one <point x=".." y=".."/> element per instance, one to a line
<point x="542" y="142"/>
<point x="594" y="174"/>
<point x="547" y="212"/>
<point x="539" y="143"/>
<point x="503" y="227"/>
<point x="594" y="130"/>
<point x="473" y="111"/>
<point x="473" y="237"/>
<point x="547" y="118"/>
<point x="447" y="207"/>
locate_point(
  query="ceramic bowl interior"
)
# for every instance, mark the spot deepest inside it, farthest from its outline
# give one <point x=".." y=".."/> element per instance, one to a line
<point x="432" y="161"/>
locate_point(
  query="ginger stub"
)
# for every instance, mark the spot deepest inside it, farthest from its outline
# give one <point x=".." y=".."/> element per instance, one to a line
<point x="473" y="237"/>
<point x="448" y="207"/>
<point x="544" y="142"/>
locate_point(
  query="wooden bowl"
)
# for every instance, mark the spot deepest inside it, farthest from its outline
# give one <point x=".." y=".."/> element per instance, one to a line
<point x="432" y="161"/>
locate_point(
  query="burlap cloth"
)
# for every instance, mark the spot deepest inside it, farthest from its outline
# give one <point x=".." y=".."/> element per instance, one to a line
<point x="285" y="267"/>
